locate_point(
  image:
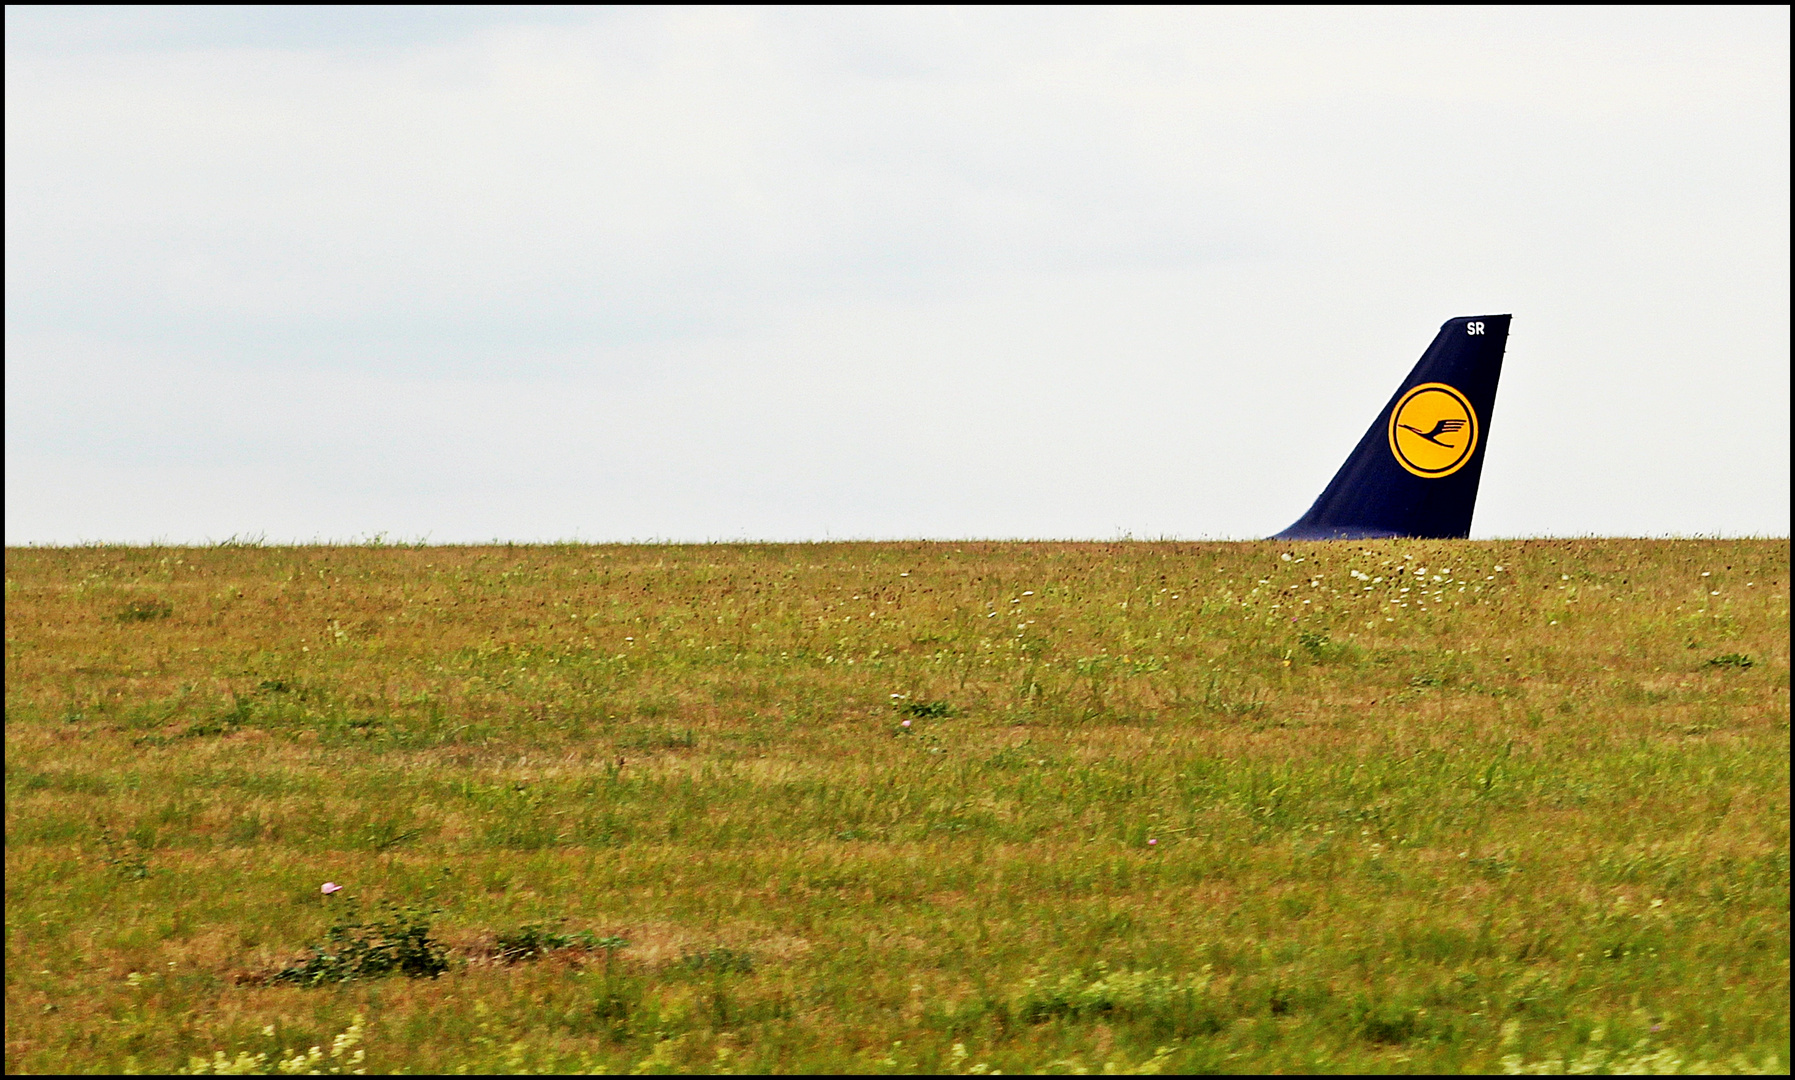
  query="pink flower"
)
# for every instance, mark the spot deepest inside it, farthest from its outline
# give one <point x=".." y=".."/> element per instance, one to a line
<point x="330" y="887"/>
<point x="1150" y="843"/>
<point x="906" y="723"/>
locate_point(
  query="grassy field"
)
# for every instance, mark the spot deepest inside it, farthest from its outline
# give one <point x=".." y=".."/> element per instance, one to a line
<point x="967" y="807"/>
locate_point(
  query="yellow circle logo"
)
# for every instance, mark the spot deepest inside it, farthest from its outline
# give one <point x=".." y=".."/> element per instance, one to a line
<point x="1433" y="430"/>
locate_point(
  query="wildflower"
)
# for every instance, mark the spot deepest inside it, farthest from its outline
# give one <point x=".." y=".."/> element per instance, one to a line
<point x="906" y="723"/>
<point x="330" y="887"/>
<point x="1151" y="842"/>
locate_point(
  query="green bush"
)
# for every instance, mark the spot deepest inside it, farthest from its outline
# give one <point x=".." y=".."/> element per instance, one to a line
<point x="398" y="943"/>
<point x="530" y="941"/>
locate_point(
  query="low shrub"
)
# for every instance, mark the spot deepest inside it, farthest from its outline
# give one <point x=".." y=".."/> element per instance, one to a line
<point x="532" y="940"/>
<point x="397" y="943"/>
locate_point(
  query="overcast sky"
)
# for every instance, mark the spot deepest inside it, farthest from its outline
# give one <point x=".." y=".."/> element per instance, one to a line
<point x="710" y="274"/>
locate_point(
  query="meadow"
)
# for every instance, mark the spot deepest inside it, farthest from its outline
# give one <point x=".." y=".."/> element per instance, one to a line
<point x="1404" y="806"/>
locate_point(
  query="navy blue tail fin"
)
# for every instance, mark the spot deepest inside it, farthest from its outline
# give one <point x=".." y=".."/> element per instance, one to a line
<point x="1415" y="472"/>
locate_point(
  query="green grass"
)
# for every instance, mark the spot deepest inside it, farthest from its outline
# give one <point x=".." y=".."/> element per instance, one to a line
<point x="902" y="807"/>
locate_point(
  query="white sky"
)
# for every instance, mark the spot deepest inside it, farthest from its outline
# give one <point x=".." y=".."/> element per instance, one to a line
<point x="758" y="274"/>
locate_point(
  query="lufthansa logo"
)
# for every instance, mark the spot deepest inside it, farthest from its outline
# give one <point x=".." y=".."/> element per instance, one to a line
<point x="1433" y="430"/>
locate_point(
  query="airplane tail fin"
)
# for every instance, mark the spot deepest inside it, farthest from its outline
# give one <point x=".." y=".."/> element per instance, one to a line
<point x="1415" y="472"/>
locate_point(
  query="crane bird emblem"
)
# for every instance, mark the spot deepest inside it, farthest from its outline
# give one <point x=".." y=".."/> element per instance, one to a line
<point x="1433" y="430"/>
<point x="1441" y="427"/>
